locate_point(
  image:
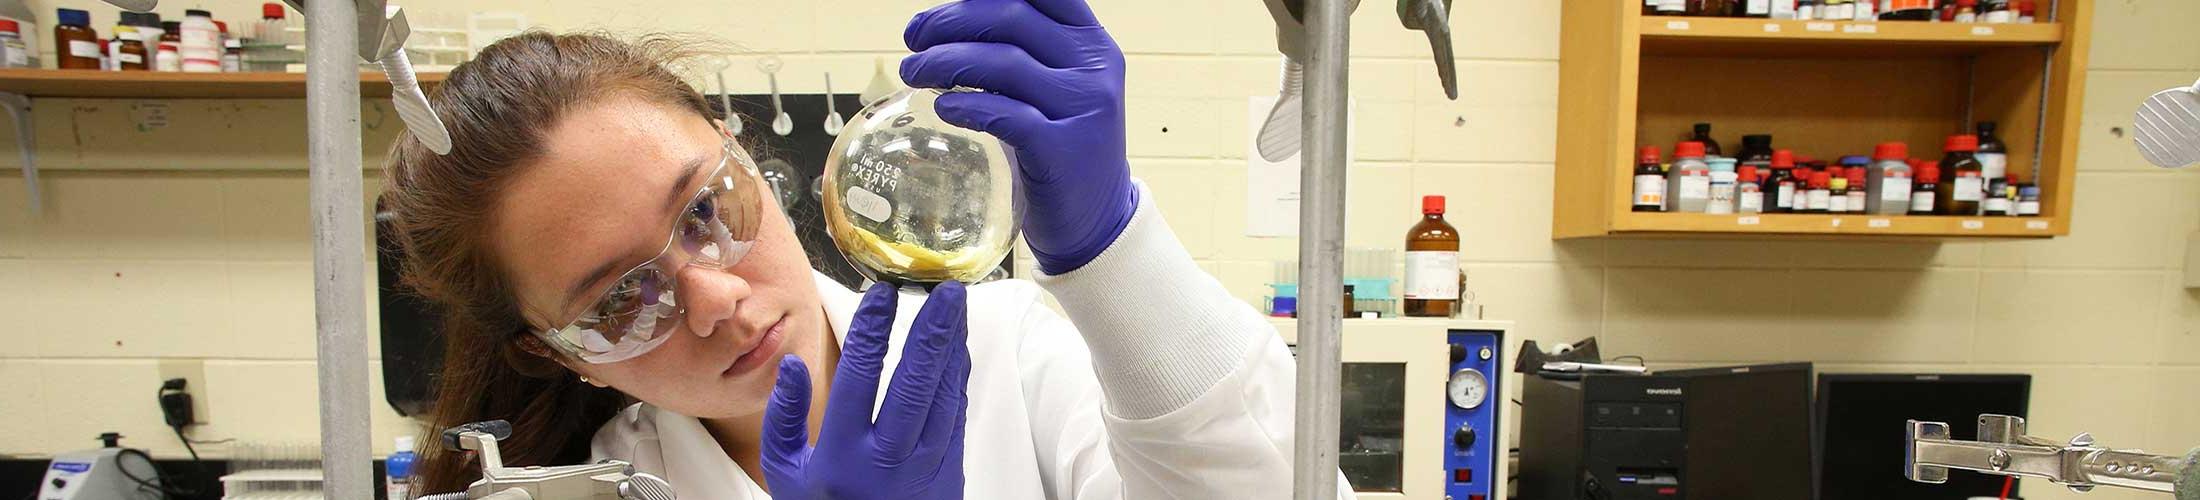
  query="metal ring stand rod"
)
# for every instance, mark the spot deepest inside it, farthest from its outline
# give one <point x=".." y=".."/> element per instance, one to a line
<point x="1321" y="244"/>
<point x="339" y="234"/>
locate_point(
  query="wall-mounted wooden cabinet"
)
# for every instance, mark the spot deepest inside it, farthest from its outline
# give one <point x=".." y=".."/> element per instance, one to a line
<point x="1821" y="88"/>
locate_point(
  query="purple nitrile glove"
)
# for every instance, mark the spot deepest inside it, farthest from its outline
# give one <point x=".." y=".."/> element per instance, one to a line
<point x="1053" y="83"/>
<point x="915" y="449"/>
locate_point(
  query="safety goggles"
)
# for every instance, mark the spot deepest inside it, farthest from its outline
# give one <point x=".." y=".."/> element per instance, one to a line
<point x="714" y="231"/>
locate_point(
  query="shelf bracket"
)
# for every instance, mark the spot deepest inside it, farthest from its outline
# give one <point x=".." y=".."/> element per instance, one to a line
<point x="19" y="107"/>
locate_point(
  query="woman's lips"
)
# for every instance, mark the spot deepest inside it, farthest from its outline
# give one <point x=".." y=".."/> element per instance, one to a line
<point x="766" y="349"/>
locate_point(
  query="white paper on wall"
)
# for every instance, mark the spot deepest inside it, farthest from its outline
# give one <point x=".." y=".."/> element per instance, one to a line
<point x="1272" y="188"/>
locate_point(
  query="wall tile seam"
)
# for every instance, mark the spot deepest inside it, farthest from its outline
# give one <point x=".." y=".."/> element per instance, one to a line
<point x="2142" y="69"/>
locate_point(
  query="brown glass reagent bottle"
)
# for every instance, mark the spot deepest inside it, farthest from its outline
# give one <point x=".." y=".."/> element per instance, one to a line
<point x="1432" y="263"/>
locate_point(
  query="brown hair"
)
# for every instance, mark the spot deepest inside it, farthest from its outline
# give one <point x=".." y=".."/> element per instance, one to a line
<point x="497" y="108"/>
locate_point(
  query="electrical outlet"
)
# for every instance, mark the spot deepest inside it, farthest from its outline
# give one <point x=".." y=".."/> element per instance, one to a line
<point x="193" y="372"/>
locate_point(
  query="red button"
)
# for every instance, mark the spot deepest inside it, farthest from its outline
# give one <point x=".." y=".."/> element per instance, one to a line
<point x="1669" y="491"/>
<point x="1477" y="496"/>
<point x="1462" y="475"/>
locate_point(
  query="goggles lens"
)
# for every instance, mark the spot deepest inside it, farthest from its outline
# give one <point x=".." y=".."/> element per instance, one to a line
<point x="714" y="231"/>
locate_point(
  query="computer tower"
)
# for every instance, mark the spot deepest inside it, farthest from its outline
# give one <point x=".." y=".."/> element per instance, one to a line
<point x="1708" y="434"/>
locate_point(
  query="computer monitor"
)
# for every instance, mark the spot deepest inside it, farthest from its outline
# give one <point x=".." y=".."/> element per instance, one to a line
<point x="1861" y="417"/>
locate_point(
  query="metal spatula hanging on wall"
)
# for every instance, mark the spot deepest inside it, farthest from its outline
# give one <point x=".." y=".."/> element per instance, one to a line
<point x="2168" y="127"/>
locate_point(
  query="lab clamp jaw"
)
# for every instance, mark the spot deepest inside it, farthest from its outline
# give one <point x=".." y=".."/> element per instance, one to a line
<point x="383" y="30"/>
<point x="2002" y="448"/>
<point x="606" y="480"/>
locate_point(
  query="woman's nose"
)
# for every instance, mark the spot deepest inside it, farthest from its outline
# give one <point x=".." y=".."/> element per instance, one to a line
<point x="710" y="296"/>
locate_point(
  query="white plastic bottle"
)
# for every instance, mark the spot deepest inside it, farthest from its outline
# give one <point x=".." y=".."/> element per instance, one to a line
<point x="1723" y="179"/>
<point x="398" y="469"/>
<point x="202" y="43"/>
<point x="1688" y="181"/>
<point x="1887" y="183"/>
<point x="26" y="24"/>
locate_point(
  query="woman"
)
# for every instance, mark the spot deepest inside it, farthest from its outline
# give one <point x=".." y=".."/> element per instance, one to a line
<point x="544" y="236"/>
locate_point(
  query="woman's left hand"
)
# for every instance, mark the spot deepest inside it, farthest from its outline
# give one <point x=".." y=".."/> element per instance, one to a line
<point x="1054" y="93"/>
<point x="914" y="450"/>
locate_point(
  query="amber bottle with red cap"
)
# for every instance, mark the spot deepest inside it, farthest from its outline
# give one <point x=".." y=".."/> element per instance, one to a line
<point x="1432" y="263"/>
<point x="1962" y="181"/>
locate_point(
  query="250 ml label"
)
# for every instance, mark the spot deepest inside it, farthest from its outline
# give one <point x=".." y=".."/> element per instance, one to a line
<point x="1432" y="275"/>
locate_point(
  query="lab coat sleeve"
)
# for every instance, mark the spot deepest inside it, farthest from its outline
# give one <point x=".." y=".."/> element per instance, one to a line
<point x="1196" y="387"/>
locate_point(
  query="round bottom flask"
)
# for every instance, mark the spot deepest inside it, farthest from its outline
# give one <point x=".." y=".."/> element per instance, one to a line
<point x="914" y="201"/>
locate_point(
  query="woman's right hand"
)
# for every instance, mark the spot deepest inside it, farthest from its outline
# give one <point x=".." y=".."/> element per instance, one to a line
<point x="914" y="451"/>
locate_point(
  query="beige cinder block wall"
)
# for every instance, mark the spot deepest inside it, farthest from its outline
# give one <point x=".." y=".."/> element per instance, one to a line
<point x="190" y="241"/>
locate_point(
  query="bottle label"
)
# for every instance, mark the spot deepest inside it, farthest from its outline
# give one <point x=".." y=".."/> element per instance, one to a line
<point x="1966" y="17"/>
<point x="1996" y="204"/>
<point x="1820" y="200"/>
<point x="1968" y="188"/>
<point x="84" y="49"/>
<point x="1432" y="275"/>
<point x="2028" y="208"/>
<point x="1999" y="16"/>
<point x="1665" y="6"/>
<point x="1760" y="7"/>
<point x="1695" y="187"/>
<point x="868" y="204"/>
<point x="1837" y="204"/>
<point x="18" y="56"/>
<point x="1784" y="197"/>
<point x="1895" y="190"/>
<point x="1650" y="190"/>
<point x="128" y="58"/>
<point x="1922" y="202"/>
<point x="1722" y="199"/>
<point x="1856" y="200"/>
<point x="1993" y="165"/>
<point x="1750" y="201"/>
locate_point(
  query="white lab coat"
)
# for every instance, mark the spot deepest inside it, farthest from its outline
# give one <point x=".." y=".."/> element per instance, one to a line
<point x="1208" y="381"/>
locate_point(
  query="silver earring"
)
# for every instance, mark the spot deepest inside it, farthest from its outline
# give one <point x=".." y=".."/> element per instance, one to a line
<point x="585" y="380"/>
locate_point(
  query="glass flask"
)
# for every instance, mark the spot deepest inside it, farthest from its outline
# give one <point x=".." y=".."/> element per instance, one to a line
<point x="914" y="201"/>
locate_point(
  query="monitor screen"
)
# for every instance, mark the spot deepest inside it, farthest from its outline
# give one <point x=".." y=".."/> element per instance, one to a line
<point x="1860" y="430"/>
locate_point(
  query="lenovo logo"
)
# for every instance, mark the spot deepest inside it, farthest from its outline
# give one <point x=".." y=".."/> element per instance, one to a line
<point x="1663" y="392"/>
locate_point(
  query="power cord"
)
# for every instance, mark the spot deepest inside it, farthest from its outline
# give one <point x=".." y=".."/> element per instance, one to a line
<point x="176" y="411"/>
<point x="163" y="485"/>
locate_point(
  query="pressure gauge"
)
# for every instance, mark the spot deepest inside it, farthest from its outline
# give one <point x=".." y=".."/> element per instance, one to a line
<point x="1468" y="388"/>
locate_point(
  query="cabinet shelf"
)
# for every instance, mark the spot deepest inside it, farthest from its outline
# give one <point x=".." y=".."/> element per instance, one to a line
<point x="38" y="83"/>
<point x="1822" y="89"/>
<point x="1863" y="226"/>
<point x="1664" y="35"/>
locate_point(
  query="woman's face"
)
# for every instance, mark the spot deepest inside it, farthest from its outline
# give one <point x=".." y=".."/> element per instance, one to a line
<point x="602" y="199"/>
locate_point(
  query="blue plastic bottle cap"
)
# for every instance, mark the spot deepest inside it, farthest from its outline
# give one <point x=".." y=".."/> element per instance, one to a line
<point x="74" y="17"/>
<point x="1284" y="306"/>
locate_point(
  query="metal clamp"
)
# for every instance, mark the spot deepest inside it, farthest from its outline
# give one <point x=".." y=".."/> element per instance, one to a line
<point x="26" y="139"/>
<point x="2004" y="449"/>
<point x="605" y="480"/>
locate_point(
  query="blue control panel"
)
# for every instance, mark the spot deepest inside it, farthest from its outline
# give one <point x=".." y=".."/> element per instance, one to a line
<point x="1473" y="445"/>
